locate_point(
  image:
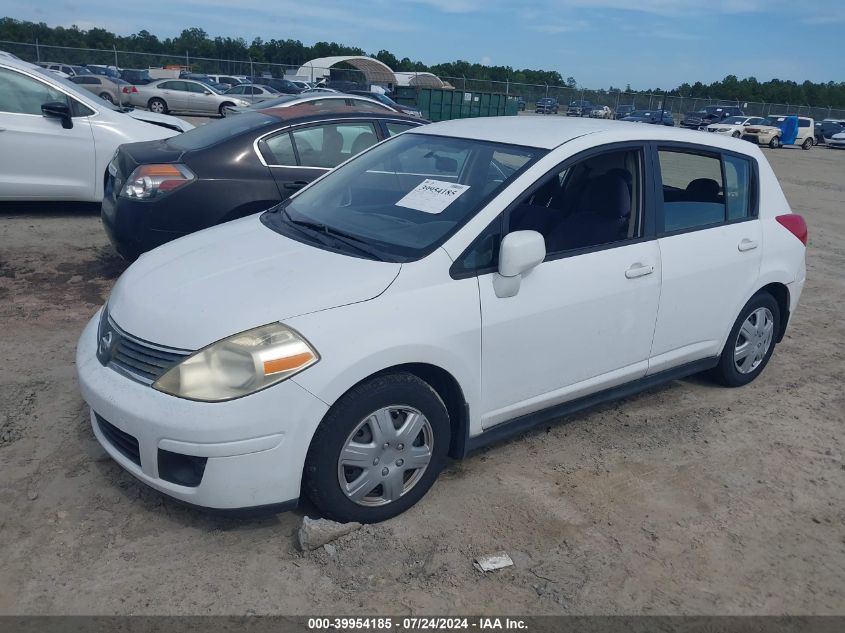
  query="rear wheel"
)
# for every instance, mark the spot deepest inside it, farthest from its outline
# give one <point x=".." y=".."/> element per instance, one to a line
<point x="775" y="142"/>
<point x="736" y="135"/>
<point x="106" y="96"/>
<point x="807" y="144"/>
<point x="751" y="342"/>
<point x="157" y="105"/>
<point x="378" y="450"/>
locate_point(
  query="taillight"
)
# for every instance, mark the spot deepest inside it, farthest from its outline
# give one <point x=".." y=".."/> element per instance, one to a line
<point x="128" y="89"/>
<point x="795" y="224"/>
<point x="149" y="181"/>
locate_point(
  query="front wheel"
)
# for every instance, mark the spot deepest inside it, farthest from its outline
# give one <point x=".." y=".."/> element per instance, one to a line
<point x="378" y="450"/>
<point x="223" y="107"/>
<point x="736" y="135"/>
<point x="751" y="342"/>
<point x="158" y="106"/>
<point x="106" y="97"/>
<point x="775" y="142"/>
<point x="807" y="144"/>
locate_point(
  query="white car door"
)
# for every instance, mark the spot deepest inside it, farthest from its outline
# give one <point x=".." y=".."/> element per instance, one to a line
<point x="582" y="320"/>
<point x="709" y="238"/>
<point x="41" y="159"/>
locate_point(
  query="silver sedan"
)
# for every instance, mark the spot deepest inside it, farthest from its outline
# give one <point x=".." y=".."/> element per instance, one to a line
<point x="253" y="92"/>
<point x="182" y="95"/>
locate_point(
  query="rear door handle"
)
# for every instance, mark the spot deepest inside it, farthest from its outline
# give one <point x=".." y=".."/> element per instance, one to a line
<point x="294" y="186"/>
<point x="747" y="245"/>
<point x="638" y="270"/>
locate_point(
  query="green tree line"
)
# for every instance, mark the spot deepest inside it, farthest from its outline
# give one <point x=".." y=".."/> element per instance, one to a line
<point x="197" y="43"/>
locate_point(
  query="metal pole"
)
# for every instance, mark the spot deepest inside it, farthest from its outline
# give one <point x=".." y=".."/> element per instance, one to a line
<point x="37" y="51"/>
<point x="119" y="90"/>
<point x="547" y="90"/>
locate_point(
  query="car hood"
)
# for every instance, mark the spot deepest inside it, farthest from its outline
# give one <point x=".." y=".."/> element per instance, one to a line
<point x="165" y="120"/>
<point x="204" y="287"/>
<point x="839" y="136"/>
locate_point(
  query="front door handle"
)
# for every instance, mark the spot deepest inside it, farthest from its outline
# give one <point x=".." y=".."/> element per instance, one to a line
<point x="638" y="270"/>
<point x="294" y="186"/>
<point x="747" y="245"/>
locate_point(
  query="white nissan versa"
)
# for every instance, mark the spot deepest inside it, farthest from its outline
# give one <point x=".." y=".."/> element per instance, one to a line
<point x="56" y="139"/>
<point x="446" y="288"/>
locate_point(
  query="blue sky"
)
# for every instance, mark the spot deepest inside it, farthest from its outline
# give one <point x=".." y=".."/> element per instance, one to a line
<point x="647" y="43"/>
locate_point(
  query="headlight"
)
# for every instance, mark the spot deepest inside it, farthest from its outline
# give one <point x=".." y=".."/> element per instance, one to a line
<point x="239" y="365"/>
<point x="150" y="181"/>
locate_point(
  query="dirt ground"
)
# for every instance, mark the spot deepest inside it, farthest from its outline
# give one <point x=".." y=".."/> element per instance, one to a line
<point x="688" y="499"/>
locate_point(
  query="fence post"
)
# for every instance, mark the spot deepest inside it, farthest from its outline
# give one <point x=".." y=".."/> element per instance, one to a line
<point x="37" y="51"/>
<point x="547" y="90"/>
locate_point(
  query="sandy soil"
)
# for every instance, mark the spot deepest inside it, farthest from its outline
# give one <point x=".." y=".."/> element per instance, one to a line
<point x="687" y="499"/>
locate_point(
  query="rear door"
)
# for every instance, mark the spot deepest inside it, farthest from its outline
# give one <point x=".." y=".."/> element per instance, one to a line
<point x="175" y="93"/>
<point x="709" y="239"/>
<point x="40" y="159"/>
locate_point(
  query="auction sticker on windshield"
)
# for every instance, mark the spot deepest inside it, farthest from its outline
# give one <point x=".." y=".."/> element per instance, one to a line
<point x="432" y="196"/>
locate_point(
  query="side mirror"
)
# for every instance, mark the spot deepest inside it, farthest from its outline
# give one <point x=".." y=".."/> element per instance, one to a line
<point x="58" y="110"/>
<point x="519" y="253"/>
<point x="206" y="92"/>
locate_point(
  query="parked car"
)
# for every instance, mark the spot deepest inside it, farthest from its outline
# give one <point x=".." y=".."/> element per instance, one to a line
<point x="700" y="119"/>
<point x="69" y="70"/>
<point x="231" y="169"/>
<point x="579" y="108"/>
<point x="320" y="89"/>
<point x="385" y="100"/>
<point x="771" y="132"/>
<point x="284" y="86"/>
<point x="837" y="141"/>
<point x="137" y="77"/>
<point x="826" y="129"/>
<point x="601" y="112"/>
<point x="302" y="85"/>
<point x="107" y="88"/>
<point x="105" y="71"/>
<point x="63" y="137"/>
<point x="182" y="95"/>
<point x="253" y="93"/>
<point x="734" y="125"/>
<point x="546" y="105"/>
<point x="625" y="111"/>
<point x="653" y="117"/>
<point x="231" y="80"/>
<point x="284" y="353"/>
<point x="520" y="104"/>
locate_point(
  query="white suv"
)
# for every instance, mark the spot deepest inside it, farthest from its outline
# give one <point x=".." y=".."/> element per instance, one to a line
<point x="449" y="287"/>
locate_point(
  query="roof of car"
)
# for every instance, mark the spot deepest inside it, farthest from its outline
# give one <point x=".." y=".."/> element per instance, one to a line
<point x="334" y="108"/>
<point x="548" y="133"/>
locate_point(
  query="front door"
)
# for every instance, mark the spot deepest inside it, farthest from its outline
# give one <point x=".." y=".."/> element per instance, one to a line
<point x="582" y="320"/>
<point x="64" y="157"/>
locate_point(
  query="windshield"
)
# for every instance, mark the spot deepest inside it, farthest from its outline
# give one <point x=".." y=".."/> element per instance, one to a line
<point x="641" y="113"/>
<point x="75" y="91"/>
<point x="771" y="121"/>
<point x="401" y="199"/>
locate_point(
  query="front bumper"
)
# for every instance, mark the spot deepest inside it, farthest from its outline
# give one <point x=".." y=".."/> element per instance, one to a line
<point x="254" y="447"/>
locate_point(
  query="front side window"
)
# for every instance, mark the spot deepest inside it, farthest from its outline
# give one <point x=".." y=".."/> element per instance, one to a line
<point x="198" y="88"/>
<point x="693" y="191"/>
<point x="20" y="94"/>
<point x="329" y="145"/>
<point x="402" y="199"/>
<point x="593" y="202"/>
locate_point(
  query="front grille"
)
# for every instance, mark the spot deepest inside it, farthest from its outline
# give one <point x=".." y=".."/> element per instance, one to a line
<point x="125" y="444"/>
<point x="133" y="357"/>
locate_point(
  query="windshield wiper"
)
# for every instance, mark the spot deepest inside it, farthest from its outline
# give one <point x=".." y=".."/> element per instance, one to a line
<point x="341" y="236"/>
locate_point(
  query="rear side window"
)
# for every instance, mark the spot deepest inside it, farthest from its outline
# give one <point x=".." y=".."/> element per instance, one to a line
<point x="702" y="189"/>
<point x="280" y="148"/>
<point x="394" y="128"/>
<point x="693" y="191"/>
<point x="227" y="128"/>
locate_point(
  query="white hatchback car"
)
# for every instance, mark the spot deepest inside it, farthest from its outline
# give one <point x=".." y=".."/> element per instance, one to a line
<point x="449" y="287"/>
<point x="63" y="137"/>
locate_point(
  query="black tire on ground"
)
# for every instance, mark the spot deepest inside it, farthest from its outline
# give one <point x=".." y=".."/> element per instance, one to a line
<point x="775" y="142"/>
<point x="321" y="478"/>
<point x="726" y="372"/>
<point x="106" y="96"/>
<point x="807" y="144"/>
<point x="736" y="134"/>
<point x="158" y="105"/>
<point x="223" y="106"/>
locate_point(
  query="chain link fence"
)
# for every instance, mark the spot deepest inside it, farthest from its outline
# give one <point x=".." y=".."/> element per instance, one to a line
<point x="348" y="76"/>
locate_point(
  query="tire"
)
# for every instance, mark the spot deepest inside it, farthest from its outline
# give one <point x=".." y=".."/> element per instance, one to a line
<point x="223" y="106"/>
<point x="159" y="106"/>
<point x="775" y="142"/>
<point x="761" y="342"/>
<point x="106" y="97"/>
<point x="807" y="144"/>
<point x="736" y="134"/>
<point x="350" y="423"/>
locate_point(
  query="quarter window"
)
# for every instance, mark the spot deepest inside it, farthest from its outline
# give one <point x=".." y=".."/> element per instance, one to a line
<point x="693" y="191"/>
<point x="281" y="148"/>
<point x="739" y="193"/>
<point x="20" y="94"/>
